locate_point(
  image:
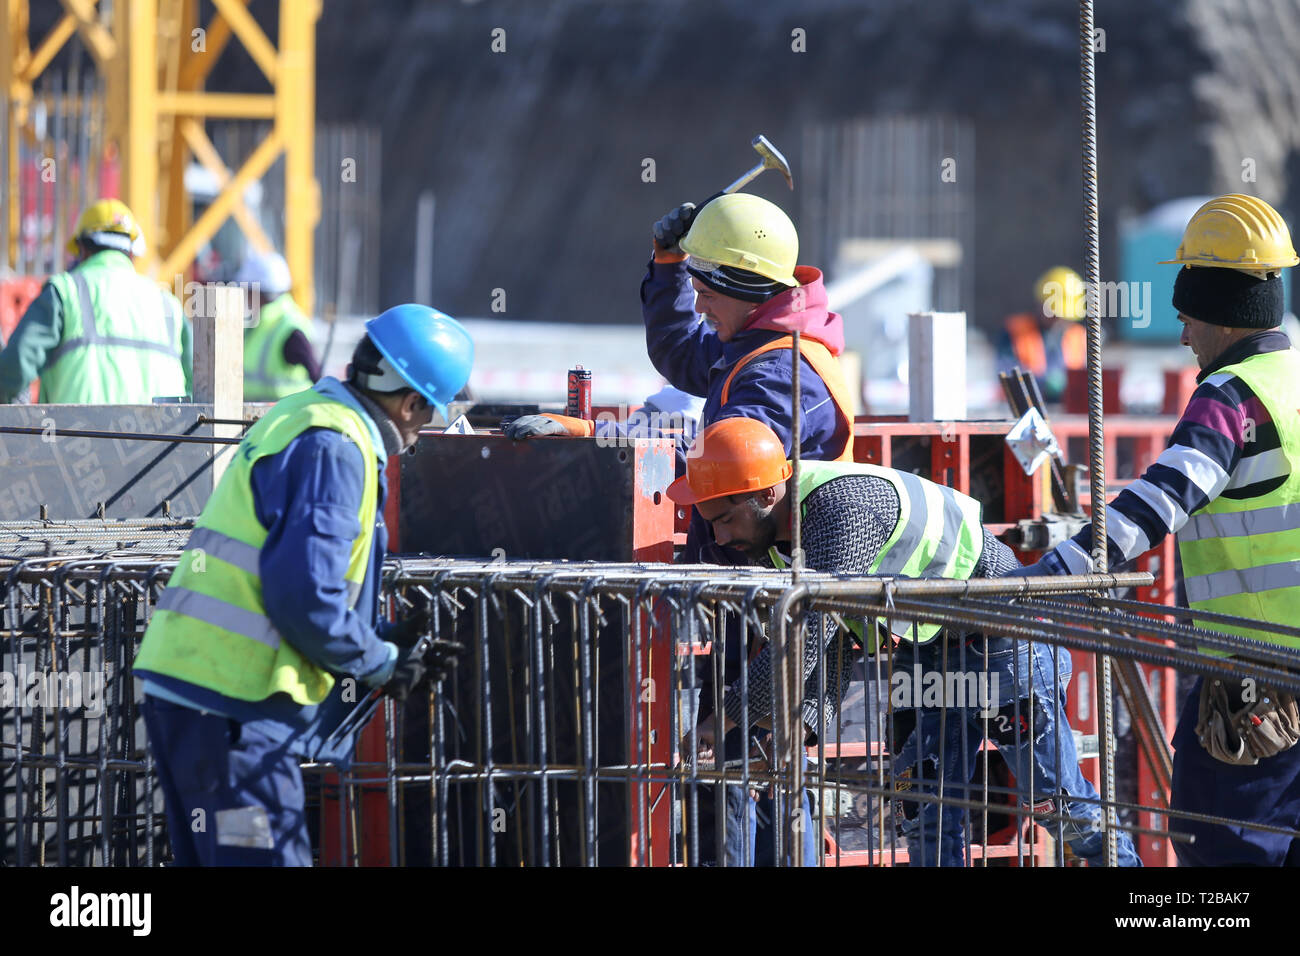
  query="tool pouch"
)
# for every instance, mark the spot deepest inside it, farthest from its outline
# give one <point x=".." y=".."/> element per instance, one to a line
<point x="1242" y="733"/>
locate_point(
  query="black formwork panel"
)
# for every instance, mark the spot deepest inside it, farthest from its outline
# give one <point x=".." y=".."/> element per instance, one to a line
<point x="488" y="496"/>
<point x="544" y="498"/>
<point x="525" y="822"/>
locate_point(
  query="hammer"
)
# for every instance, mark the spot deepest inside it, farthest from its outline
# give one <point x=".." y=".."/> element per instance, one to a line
<point x="772" y="159"/>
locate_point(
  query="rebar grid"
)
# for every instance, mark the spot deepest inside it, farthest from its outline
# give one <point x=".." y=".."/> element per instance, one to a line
<point x="554" y="741"/>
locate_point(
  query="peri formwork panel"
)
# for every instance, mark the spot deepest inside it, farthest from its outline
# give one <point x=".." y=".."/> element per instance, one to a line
<point x="130" y="478"/>
<point x="577" y="498"/>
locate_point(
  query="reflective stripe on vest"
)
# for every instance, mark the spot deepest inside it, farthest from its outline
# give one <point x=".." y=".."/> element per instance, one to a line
<point x="1242" y="556"/>
<point x="120" y="344"/>
<point x="90" y="328"/>
<point x="267" y="376"/>
<point x="826" y="366"/>
<point x="939" y="531"/>
<point x="211" y="627"/>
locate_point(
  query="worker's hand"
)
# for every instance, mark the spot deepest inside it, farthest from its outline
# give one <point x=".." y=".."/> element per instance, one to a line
<point x="409" y="629"/>
<point x="705" y="741"/>
<point x="441" y="657"/>
<point x="530" y="426"/>
<point x="668" y="231"/>
<point x="408" y="674"/>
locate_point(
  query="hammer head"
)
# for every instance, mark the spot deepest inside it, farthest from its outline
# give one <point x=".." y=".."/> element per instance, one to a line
<point x="772" y="158"/>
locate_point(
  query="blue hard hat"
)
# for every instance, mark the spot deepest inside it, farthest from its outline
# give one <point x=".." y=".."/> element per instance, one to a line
<point x="430" y="350"/>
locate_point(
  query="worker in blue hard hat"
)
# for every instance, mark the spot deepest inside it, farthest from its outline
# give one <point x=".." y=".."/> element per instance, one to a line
<point x="278" y="355"/>
<point x="268" y="633"/>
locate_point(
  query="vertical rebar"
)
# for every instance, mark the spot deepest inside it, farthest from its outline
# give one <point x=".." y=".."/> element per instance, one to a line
<point x="796" y="536"/>
<point x="488" y="801"/>
<point x="1096" y="440"/>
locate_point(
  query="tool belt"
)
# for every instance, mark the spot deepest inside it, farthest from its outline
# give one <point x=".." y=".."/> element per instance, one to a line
<point x="1242" y="733"/>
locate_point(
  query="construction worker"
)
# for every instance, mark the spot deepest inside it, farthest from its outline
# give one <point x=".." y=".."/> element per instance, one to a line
<point x="277" y="597"/>
<point x="1229" y="486"/>
<point x="100" y="334"/>
<point x="732" y="262"/>
<point x="278" y="355"/>
<point x="1050" y="340"/>
<point x="866" y="520"/>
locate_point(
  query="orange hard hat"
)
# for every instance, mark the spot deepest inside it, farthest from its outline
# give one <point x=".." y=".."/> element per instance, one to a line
<point x="731" y="457"/>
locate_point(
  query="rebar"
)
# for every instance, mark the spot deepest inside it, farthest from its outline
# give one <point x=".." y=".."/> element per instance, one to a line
<point x="546" y="746"/>
<point x="1096" y="439"/>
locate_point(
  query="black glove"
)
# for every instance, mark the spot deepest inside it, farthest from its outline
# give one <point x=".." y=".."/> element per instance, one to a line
<point x="530" y="426"/>
<point x="669" y="230"/>
<point x="441" y="658"/>
<point x="409" y="629"/>
<point x="407" y="675"/>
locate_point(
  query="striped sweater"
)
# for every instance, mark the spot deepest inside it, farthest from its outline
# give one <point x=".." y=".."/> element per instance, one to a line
<point x="1224" y="445"/>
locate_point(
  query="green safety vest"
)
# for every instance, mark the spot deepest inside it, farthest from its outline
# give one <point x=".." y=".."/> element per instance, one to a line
<point x="267" y="376"/>
<point x="939" y="532"/>
<point x="122" y="337"/>
<point x="1242" y="556"/>
<point x="210" y="627"/>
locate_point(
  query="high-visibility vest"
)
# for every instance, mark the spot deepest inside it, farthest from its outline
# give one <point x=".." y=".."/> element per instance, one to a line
<point x="1242" y="556"/>
<point x="121" y="341"/>
<point x="1027" y="343"/>
<point x="267" y="376"/>
<point x="210" y="627"/>
<point x="826" y="365"/>
<point x="939" y="532"/>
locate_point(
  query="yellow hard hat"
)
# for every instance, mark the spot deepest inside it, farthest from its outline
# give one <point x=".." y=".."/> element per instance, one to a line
<point x="747" y="232"/>
<point x="1061" y="293"/>
<point x="105" y="218"/>
<point x="1236" y="232"/>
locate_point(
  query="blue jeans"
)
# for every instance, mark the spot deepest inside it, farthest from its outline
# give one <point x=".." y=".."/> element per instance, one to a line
<point x="750" y="837"/>
<point x="234" y="797"/>
<point x="1016" y="689"/>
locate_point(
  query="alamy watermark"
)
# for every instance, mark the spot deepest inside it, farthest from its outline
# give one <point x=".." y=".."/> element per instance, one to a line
<point x="622" y="428"/>
<point x="1115" y="300"/>
<point x="210" y="299"/>
<point x="966" y="690"/>
<point x="74" y="690"/>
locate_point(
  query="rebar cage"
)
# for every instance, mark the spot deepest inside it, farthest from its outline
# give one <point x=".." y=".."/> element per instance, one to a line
<point x="568" y="731"/>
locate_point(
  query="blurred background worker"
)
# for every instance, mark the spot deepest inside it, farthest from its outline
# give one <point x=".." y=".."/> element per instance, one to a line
<point x="100" y="334"/>
<point x="278" y="592"/>
<point x="278" y="355"/>
<point x="1229" y="485"/>
<point x="1051" y="340"/>
<point x="866" y="520"/>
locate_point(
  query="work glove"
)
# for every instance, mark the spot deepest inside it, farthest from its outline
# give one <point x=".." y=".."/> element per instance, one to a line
<point x="408" y="674"/>
<point x="405" y="632"/>
<point x="669" y="230"/>
<point x="530" y="426"/>
<point x="441" y="657"/>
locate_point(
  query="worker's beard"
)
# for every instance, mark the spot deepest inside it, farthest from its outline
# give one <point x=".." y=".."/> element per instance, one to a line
<point x="764" y="536"/>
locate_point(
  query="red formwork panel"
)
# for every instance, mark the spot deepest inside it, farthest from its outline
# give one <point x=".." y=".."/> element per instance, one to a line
<point x="1024" y="497"/>
<point x="1075" y="398"/>
<point x="15" y="296"/>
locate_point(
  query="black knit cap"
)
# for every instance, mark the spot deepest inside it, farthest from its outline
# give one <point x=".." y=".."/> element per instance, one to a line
<point x="738" y="283"/>
<point x="1228" y="297"/>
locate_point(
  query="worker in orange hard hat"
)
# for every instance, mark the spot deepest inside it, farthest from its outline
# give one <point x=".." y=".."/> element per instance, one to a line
<point x="100" y="334"/>
<point x="866" y="520"/>
<point x="1051" y="339"/>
